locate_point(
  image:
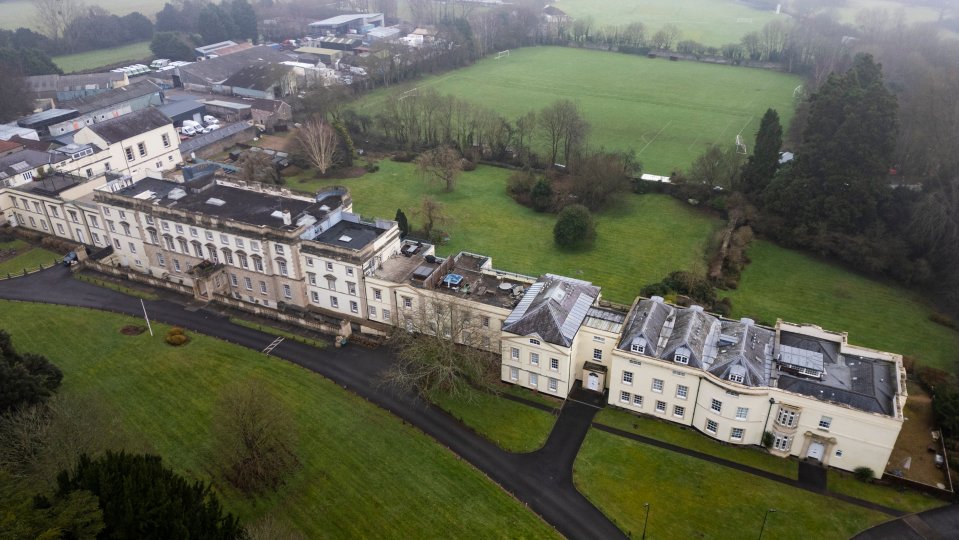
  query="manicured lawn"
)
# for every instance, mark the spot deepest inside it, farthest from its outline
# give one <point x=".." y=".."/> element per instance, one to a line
<point x="130" y="291"/>
<point x="638" y="242"/>
<point x="712" y="22"/>
<point x="530" y="395"/>
<point x="364" y="474"/>
<point x="29" y="259"/>
<point x="799" y="288"/>
<point x="512" y="426"/>
<point x="103" y="57"/>
<point x="669" y="112"/>
<point x="13" y="244"/>
<point x="693" y="440"/>
<point x="902" y="499"/>
<point x="690" y="498"/>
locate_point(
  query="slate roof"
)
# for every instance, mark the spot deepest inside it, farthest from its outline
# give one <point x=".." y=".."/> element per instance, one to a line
<point x="876" y="401"/>
<point x="114" y="96"/>
<point x="258" y="77"/>
<point x="645" y="324"/>
<point x="553" y="308"/>
<point x="349" y="235"/>
<point x="748" y="346"/>
<point x="217" y="70"/>
<point x="696" y="331"/>
<point x="130" y="125"/>
<point x="26" y="160"/>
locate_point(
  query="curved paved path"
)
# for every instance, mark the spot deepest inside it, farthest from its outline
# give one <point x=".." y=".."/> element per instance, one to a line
<point x="936" y="524"/>
<point x="542" y="479"/>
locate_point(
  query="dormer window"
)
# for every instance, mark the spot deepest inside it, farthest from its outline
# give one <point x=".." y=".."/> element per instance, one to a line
<point x="534" y="342"/>
<point x="638" y="348"/>
<point x="736" y="378"/>
<point x="681" y="356"/>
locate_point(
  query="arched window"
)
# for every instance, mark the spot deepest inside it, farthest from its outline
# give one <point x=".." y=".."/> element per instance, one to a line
<point x="197" y="249"/>
<point x="126" y="227"/>
<point x="227" y="256"/>
<point x="152" y="233"/>
<point x="281" y="266"/>
<point x="183" y="245"/>
<point x="241" y="258"/>
<point x="211" y="250"/>
<point x="257" y="263"/>
<point x="168" y="239"/>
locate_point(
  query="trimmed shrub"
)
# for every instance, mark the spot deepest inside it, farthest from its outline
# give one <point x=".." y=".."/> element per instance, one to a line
<point x="176" y="339"/>
<point x="175" y="331"/>
<point x="768" y="439"/>
<point x="520" y="182"/>
<point x="541" y="195"/>
<point x="469" y="165"/>
<point x="575" y="227"/>
<point x="863" y="474"/>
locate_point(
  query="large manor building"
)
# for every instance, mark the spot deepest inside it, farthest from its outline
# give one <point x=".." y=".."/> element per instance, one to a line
<point x="815" y="394"/>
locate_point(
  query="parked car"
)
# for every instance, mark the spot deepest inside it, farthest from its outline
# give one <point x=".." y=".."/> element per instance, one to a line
<point x="188" y="130"/>
<point x="207" y="119"/>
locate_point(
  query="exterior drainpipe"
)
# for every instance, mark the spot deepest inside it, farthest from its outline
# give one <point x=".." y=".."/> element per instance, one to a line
<point x="772" y="401"/>
<point x="692" y="421"/>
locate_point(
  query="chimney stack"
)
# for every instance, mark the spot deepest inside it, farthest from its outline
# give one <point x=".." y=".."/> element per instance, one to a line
<point x="287" y="217"/>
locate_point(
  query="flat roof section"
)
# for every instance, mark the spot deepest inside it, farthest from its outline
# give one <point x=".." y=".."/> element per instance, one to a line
<point x="349" y="235"/>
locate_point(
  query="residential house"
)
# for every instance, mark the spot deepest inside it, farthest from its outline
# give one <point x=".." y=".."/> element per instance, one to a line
<point x="818" y="396"/>
<point x="138" y="142"/>
<point x="542" y="333"/>
<point x="24" y="165"/>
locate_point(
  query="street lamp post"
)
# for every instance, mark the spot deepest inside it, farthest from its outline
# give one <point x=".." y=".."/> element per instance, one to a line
<point x="771" y="510"/>
<point x="646" y="520"/>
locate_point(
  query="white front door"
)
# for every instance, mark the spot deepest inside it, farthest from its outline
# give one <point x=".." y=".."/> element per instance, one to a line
<point x="592" y="382"/>
<point x="816" y="451"/>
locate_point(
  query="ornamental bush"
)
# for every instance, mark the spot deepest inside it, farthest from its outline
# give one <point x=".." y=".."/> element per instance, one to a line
<point x="575" y="227"/>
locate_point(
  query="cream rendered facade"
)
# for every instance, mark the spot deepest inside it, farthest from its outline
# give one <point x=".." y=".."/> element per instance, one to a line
<point x="154" y="150"/>
<point x="836" y="434"/>
<point x="532" y="362"/>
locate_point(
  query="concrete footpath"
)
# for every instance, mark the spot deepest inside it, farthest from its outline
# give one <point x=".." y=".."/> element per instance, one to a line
<point x="542" y="479"/>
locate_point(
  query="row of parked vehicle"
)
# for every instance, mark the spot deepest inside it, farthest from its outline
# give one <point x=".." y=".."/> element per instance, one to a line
<point x="192" y="127"/>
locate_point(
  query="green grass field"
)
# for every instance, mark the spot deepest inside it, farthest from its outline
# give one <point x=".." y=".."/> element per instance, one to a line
<point x="799" y="288"/>
<point x="512" y="426"/>
<point x="690" y="498"/>
<point x="669" y="112"/>
<point x="29" y="259"/>
<point x="711" y="22"/>
<point x="638" y="242"/>
<point x="103" y="57"/>
<point x="363" y="474"/>
<point x="840" y="482"/>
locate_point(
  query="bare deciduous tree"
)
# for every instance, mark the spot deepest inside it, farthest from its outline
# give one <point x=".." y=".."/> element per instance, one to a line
<point x="53" y="17"/>
<point x="258" y="167"/>
<point x="432" y="213"/>
<point x="255" y="436"/>
<point x="443" y="347"/>
<point x="564" y="129"/>
<point x="442" y="164"/>
<point x="320" y="143"/>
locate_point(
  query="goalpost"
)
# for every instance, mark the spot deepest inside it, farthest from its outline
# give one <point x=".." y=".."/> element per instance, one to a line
<point x="409" y="93"/>
<point x="501" y="54"/>
<point x="740" y="145"/>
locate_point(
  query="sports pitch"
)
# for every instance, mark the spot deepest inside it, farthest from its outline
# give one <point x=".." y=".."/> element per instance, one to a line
<point x="668" y="112"/>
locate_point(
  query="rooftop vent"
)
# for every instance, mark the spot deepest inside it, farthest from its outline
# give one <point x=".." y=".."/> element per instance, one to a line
<point x="176" y="194"/>
<point x="215" y="202"/>
<point x="746" y="321"/>
<point x="277" y="214"/>
<point x="325" y="208"/>
<point x="345" y="238"/>
<point x="657" y="299"/>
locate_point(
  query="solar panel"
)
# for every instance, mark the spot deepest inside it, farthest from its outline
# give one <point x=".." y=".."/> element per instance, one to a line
<point x="801" y="358"/>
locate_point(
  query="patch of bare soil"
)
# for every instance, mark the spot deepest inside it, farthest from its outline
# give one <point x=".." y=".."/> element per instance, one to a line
<point x="132" y="330"/>
<point x="915" y="444"/>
